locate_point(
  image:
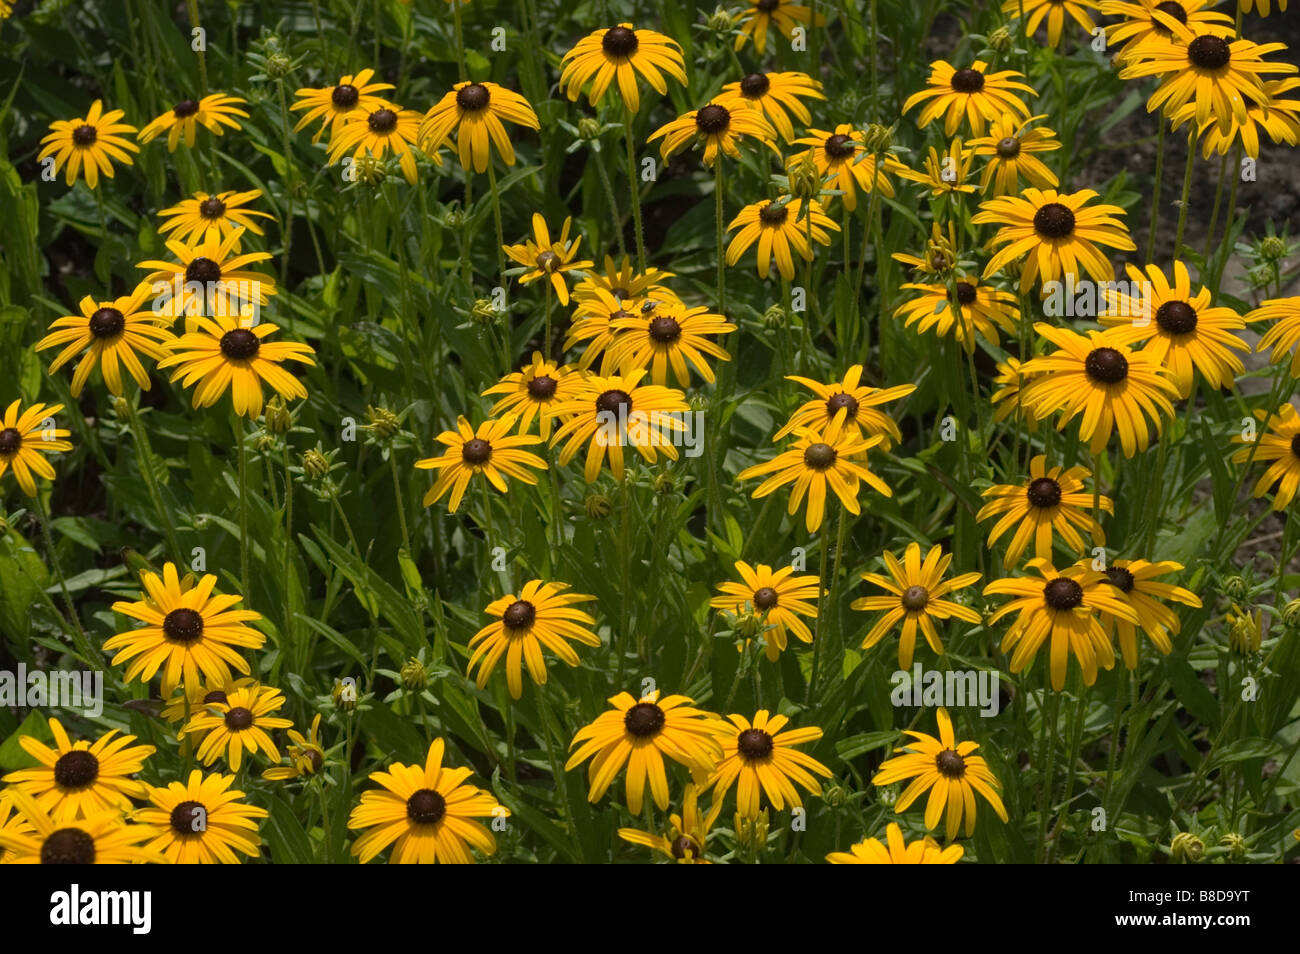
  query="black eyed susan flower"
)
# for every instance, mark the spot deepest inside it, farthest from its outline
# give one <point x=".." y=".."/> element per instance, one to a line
<point x="490" y="451"/>
<point x="840" y="161"/>
<point x="1008" y="380"/>
<point x="1280" y="446"/>
<point x="210" y="278"/>
<point x="1056" y="232"/>
<point x="541" y="617"/>
<point x="1275" y="116"/>
<point x="335" y="105"/>
<point x="1137" y="581"/>
<point x="592" y="322"/>
<point x="104" y="838"/>
<point x="426" y="812"/>
<point x="1055" y="12"/>
<point x="532" y="391"/>
<point x="777" y="96"/>
<point x="193" y="220"/>
<point x="761" y="15"/>
<point x="386" y="129"/>
<point x="1053" y="501"/>
<point x="944" y="173"/>
<point x="11" y="823"/>
<point x="1183" y="333"/>
<point x="241" y="722"/>
<point x="306" y="756"/>
<point x="760" y="759"/>
<point x="847" y="404"/>
<point x="896" y="851"/>
<point x="971" y="93"/>
<point x="1283" y="335"/>
<point x="474" y="111"/>
<point x="819" y="460"/>
<point x="610" y="413"/>
<point x="1262" y="7"/>
<point x="213" y="112"/>
<point x="1010" y="147"/>
<point x="778" y="227"/>
<point x="1100" y="378"/>
<point x="947" y="769"/>
<point x="1062" y="610"/>
<point x="624" y="282"/>
<point x="940" y="254"/>
<point x="110" y="333"/>
<point x="664" y="334"/>
<point x="81" y="779"/>
<point x="615" y="56"/>
<point x="983" y="309"/>
<point x="1147" y="20"/>
<point x="639" y="734"/>
<point x="201" y="693"/>
<point x="187" y="631"/>
<point x="542" y="258"/>
<point x="688" y="833"/>
<point x="89" y="145"/>
<point x="222" y="353"/>
<point x="24" y="437"/>
<point x="720" y="125"/>
<point x="202" y="821"/>
<point x="917" y="589"/>
<point x="777" y="596"/>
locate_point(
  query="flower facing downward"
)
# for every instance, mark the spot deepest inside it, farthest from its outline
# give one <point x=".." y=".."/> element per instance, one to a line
<point x="88" y="145"/>
<point x="476" y="113"/>
<point x="306" y="755"/>
<point x="616" y="56"/>
<point x="183" y="120"/>
<point x="779" y="227"/>
<point x="719" y="125"/>
<point x="490" y="451"/>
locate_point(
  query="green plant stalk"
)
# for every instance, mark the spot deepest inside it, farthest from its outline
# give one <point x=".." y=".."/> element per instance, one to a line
<point x="1187" y="191"/>
<point x="242" y="453"/>
<point x="1048" y="758"/>
<point x="289" y="627"/>
<point x="144" y="460"/>
<point x="401" y="505"/>
<point x="79" y="637"/>
<point x="1214" y="216"/>
<point x="633" y="189"/>
<point x="719" y="227"/>
<point x="608" y="188"/>
<point x="193" y="7"/>
<point x="810" y="699"/>
<point x="291" y="177"/>
<point x="1225" y="248"/>
<point x="557" y="768"/>
<point x="1155" y="192"/>
<point x="496" y="220"/>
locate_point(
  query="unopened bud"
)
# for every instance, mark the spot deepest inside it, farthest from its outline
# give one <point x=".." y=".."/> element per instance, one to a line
<point x="414" y="676"/>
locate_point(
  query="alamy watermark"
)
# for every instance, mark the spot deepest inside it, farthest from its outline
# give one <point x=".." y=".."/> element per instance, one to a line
<point x="653" y="429"/>
<point x="82" y="690"/>
<point x="953" y="689"/>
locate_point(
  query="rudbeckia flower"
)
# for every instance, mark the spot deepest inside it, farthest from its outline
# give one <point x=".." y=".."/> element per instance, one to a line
<point x="210" y="279"/>
<point x="104" y="838"/>
<point x="777" y="96"/>
<point x="760" y="759"/>
<point x="474" y="111"/>
<point x="1010" y="147"/>
<point x="616" y="56"/>
<point x="756" y="19"/>
<point x="242" y="721"/>
<point x="24" y="437"/>
<point x="202" y="821"/>
<point x="335" y="105"/>
<point x="490" y="452"/>
<point x="970" y="93"/>
<point x="1280" y="446"/>
<point x="778" y="226"/>
<point x="778" y="596"/>
<point x="542" y="258"/>
<point x="1283" y="336"/>
<point x="688" y="833"/>
<point x="306" y="756"/>
<point x="667" y="334"/>
<point x="1055" y="12"/>
<point x="1148" y="20"/>
<point x="211" y="216"/>
<point x="624" y="282"/>
<point x="1138" y="583"/>
<point x="895" y="851"/>
<point x="381" y="131"/>
<point x="213" y="112"/>
<point x="847" y="404"/>
<point x="88" y="145"/>
<point x="719" y="126"/>
<point x="533" y="392"/>
<point x="1053" y="500"/>
<point x="983" y="309"/>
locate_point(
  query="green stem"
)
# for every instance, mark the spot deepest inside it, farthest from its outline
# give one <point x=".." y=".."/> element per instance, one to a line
<point x="633" y="189"/>
<point x="1187" y="191"/>
<point x="145" y="461"/>
<point x="244" y="577"/>
<point x="608" y="186"/>
<point x="1155" y="192"/>
<point x="193" y="7"/>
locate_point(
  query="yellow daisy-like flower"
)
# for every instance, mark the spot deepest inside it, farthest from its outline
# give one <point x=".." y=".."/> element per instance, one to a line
<point x="917" y="589"/>
<point x="426" y="812"/>
<point x="241" y="722"/>
<point x="306" y="756"/>
<point x="611" y="413"/>
<point x="110" y="333"/>
<point x="542" y="617"/>
<point x="896" y="851"/>
<point x="1263" y="7"/>
<point x="780" y="598"/>
<point x="760" y="758"/>
<point x="1148" y="20"/>
<point x="542" y="258"/>
<point x="720" y="125"/>
<point x="101" y="839"/>
<point x="24" y="437"/>
<point x="593" y="318"/>
<point x="840" y="161"/>
<point x="202" y="821"/>
<point x="615" y="56"/>
<point x="1280" y="444"/>
<point x="187" y="631"/>
<point x="1276" y="117"/>
<point x="971" y="93"/>
<point x="1053" y="501"/>
<point x="1136" y="581"/>
<point x="1283" y="335"/>
<point x="668" y="334"/>
<point x="1055" y="12"/>
<point x="1099" y="378"/>
<point x="940" y="254"/>
<point x="89" y="146"/>
<point x="1055" y="232"/>
<point x="490" y="451"/>
<point x="11" y="823"/>
<point x="386" y="129"/>
<point x="213" y="112"/>
<point x="210" y="278"/>
<point x="688" y="833"/>
<point x="761" y="15"/>
<point x="1060" y="609"/>
<point x="777" y="95"/>
<point x="1009" y="379"/>
<point x="1010" y="147"/>
<point x="778" y="226"/>
<point x="639" y="734"/>
<point x="945" y="173"/>
<point x="81" y="779"/>
<point x="947" y="769"/>
<point x="335" y="105"/>
<point x="199" y="694"/>
<point x="819" y="460"/>
<point x="474" y="111"/>
<point x="194" y="220"/>
<point x="624" y="283"/>
<point x="221" y="353"/>
<point x="983" y="310"/>
<point x="532" y="391"/>
<point x="847" y="404"/>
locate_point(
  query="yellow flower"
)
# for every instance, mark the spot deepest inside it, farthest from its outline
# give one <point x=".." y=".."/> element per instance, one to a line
<point x="779" y="597"/>
<point x="474" y="111"/>
<point x="983" y="310"/>
<point x="761" y="15"/>
<point x="104" y="838"/>
<point x="202" y="821"/>
<point x="1053" y="500"/>
<point x="777" y="95"/>
<point x="1055" y="11"/>
<point x="1281" y="446"/>
<point x="335" y="105"/>
<point x="925" y="851"/>
<point x="306" y="756"/>
<point x="720" y="124"/>
<point x="945" y="173"/>
<point x="542" y="258"/>
<point x="24" y="437"/>
<point x="81" y="779"/>
<point x="388" y="128"/>
<point x="760" y="758"/>
<point x="213" y="111"/>
<point x="1010" y="146"/>
<point x="840" y="158"/>
<point x="241" y="722"/>
<point x="779" y="226"/>
<point x="490" y="451"/>
<point x="88" y="145"/>
<point x="616" y="56"/>
<point x="971" y="93"/>
<point x="688" y="832"/>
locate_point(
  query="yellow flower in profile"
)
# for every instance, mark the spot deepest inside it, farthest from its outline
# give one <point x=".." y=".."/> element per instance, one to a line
<point x="946" y="173"/>
<point x="1055" y="12"/>
<point x="104" y="838"/>
<point x="592" y="322"/>
<point x="971" y="93"/>
<point x="242" y="722"/>
<point x="1263" y="7"/>
<point x="211" y="278"/>
<point x="848" y="404"/>
<point x="1274" y="116"/>
<point x="213" y="112"/>
<point x="896" y="851"/>
<point x="1053" y="500"/>
<point x="762" y="15"/>
<point x="1010" y="147"/>
<point x="533" y="392"/>
<point x="780" y="598"/>
<point x="542" y="258"/>
<point x="624" y="282"/>
<point x="306" y="756"/>
<point x="615" y="56"/>
<point x="81" y="779"/>
<point x="110" y="333"/>
<point x="193" y="220"/>
<point x="474" y="111"/>
<point x="426" y="812"/>
<point x="686" y="840"/>
<point x="947" y="769"/>
<point x="1283" y="336"/>
<point x="840" y="159"/>
<point x="202" y="821"/>
<point x="490" y="452"/>
<point x="779" y="226"/>
<point x="777" y="96"/>
<point x="1009" y="379"/>
<point x="24" y="437"/>
<point x="1137" y="582"/>
<point x="88" y="145"/>
<point x="335" y="105"/>
<point x="720" y="125"/>
<point x="760" y="759"/>
<point x="664" y="334"/>
<point x="386" y="129"/>
<point x="1280" y="445"/>
<point x="983" y="310"/>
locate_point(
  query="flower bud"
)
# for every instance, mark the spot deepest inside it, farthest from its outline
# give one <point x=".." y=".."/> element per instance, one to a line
<point x="720" y="21"/>
<point x="381" y="422"/>
<point x="485" y="312"/>
<point x="588" y="129"/>
<point x="1000" y="39"/>
<point x="315" y="465"/>
<point x="414" y="676"/>
<point x="664" y="484"/>
<point x="1272" y="249"/>
<point x="805" y="180"/>
<point x="774" y="317"/>
<point x="1235" y="844"/>
<point x="278" y="66"/>
<point x="276" y="416"/>
<point x="1291" y="614"/>
<point x="598" y="506"/>
<point x="878" y="138"/>
<point x="1235" y="588"/>
<point x="1187" y="848"/>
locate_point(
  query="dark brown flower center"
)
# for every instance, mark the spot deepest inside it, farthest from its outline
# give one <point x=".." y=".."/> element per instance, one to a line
<point x="1120" y="578"/>
<point x="238" y="718"/>
<point x="216" y="695"/>
<point x="383" y="121"/>
<point x="1008" y="148"/>
<point x="622" y="294"/>
<point x="755" y="85"/>
<point x="185" y="108"/>
<point x="1106" y="365"/>
<point x="316" y="759"/>
<point x="189" y="818"/>
<point x="1062" y="594"/>
<point x="664" y="329"/>
<point x="915" y="598"/>
<point x="76" y="769"/>
<point x="473" y="97"/>
<point x="767" y="6"/>
<point x="519" y="615"/>
<point x="713" y="119"/>
<point x="965" y="293"/>
<point x="754" y="744"/>
<point x="619" y="41"/>
<point x="683" y="844"/>
<point x="773" y="214"/>
<point x="1295" y="444"/>
<point x="765" y="598"/>
<point x="820" y="456"/>
<point x="614" y="402"/>
<point x="202" y="270"/>
<point x="239" y="344"/>
<point x="1209" y="53"/>
<point x="1043" y="493"/>
<point x="84" y="135"/>
<point x="68" y="846"/>
<point x="1176" y="318"/>
<point x="426" y="807"/>
<point x="10" y="441"/>
<point x="1175" y="10"/>
<point x="548" y="261"/>
<point x="968" y="81"/>
<point x="183" y="626"/>
<point x="950" y="764"/>
<point x="345" y="96"/>
<point x="106" y="323"/>
<point x="1054" y="221"/>
<point x="542" y="387"/>
<point x="212" y="208"/>
<point x="842" y="400"/>
<point x="475" y="451"/>
<point x="644" y="720"/>
<point x="839" y="146"/>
